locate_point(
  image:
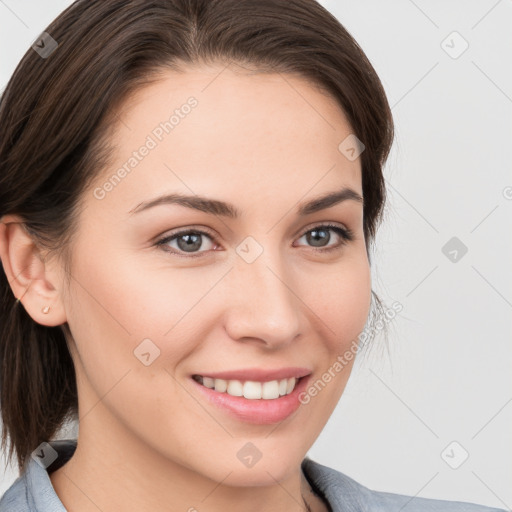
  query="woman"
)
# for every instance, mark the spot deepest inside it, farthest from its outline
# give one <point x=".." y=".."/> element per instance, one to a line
<point x="189" y="192"/>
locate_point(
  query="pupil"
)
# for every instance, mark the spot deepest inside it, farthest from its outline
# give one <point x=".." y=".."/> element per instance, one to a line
<point x="192" y="242"/>
<point x="317" y="235"/>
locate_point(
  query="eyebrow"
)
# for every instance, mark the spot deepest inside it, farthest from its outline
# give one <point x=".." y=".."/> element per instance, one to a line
<point x="216" y="207"/>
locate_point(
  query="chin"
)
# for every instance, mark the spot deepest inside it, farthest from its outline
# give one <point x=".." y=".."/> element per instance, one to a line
<point x="274" y="465"/>
<point x="260" y="475"/>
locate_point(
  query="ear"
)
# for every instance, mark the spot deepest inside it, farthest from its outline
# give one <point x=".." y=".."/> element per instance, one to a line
<point x="33" y="280"/>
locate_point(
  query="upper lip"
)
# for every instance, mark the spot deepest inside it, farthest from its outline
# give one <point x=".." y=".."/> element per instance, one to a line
<point x="258" y="374"/>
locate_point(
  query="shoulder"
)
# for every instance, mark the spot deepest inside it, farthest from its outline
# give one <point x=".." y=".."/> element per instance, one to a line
<point x="15" y="499"/>
<point x="345" y="494"/>
<point x="32" y="491"/>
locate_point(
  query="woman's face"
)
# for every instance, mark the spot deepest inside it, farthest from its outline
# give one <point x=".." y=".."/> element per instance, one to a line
<point x="267" y="289"/>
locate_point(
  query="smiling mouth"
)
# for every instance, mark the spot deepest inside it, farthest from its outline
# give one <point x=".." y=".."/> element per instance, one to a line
<point x="252" y="390"/>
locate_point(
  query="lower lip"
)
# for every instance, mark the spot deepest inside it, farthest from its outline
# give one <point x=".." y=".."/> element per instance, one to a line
<point x="260" y="412"/>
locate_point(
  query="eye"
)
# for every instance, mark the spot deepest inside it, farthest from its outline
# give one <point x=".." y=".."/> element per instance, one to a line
<point x="189" y="241"/>
<point x="320" y="235"/>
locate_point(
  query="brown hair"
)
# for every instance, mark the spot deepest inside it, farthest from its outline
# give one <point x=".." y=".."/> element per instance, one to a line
<point x="55" y="114"/>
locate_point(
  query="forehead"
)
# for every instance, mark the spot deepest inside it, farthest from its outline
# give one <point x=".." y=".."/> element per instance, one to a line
<point x="217" y="128"/>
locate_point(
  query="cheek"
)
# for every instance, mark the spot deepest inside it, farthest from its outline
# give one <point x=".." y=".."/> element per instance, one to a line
<point x="124" y="302"/>
<point x="110" y="316"/>
<point x="342" y="304"/>
<point x="342" y="301"/>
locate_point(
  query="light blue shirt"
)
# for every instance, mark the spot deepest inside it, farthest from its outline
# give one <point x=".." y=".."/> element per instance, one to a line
<point x="33" y="490"/>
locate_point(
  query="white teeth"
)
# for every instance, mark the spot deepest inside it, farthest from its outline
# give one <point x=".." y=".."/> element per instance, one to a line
<point x="219" y="385"/>
<point x="235" y="388"/>
<point x="270" y="390"/>
<point x="250" y="389"/>
<point x="209" y="382"/>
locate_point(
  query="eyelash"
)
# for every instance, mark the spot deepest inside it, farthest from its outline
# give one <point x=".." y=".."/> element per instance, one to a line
<point x="345" y="234"/>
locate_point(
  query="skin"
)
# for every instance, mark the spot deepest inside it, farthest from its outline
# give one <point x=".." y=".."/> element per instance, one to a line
<point x="148" y="441"/>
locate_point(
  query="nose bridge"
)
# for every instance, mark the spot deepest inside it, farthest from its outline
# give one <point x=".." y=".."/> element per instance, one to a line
<point x="264" y="304"/>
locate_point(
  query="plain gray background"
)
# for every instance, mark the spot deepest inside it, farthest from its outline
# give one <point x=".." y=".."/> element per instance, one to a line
<point x="408" y="418"/>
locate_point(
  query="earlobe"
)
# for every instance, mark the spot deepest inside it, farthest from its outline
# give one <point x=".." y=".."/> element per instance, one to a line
<point x="30" y="277"/>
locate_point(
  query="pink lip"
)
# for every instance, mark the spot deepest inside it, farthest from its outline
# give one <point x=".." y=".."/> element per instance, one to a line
<point x="259" y="374"/>
<point x="260" y="412"/>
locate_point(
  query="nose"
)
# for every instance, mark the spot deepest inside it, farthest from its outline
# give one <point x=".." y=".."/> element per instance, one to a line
<point x="262" y="306"/>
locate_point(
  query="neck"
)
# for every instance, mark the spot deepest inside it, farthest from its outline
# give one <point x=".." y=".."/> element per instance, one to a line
<point x="115" y="472"/>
